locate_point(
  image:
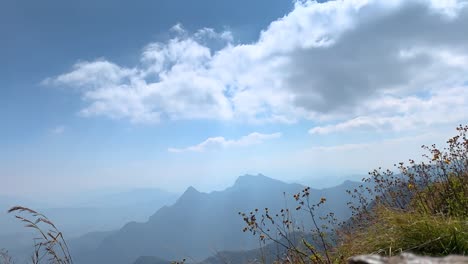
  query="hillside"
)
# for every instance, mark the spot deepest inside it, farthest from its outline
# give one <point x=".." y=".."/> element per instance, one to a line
<point x="88" y="218"/>
<point x="267" y="253"/>
<point x="199" y="224"/>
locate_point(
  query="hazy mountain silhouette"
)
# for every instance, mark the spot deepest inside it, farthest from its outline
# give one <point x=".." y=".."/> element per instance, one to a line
<point x="267" y="253"/>
<point x="199" y="224"/>
<point x="86" y="214"/>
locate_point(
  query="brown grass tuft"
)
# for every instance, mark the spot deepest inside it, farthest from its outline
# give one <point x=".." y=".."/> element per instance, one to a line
<point x="50" y="246"/>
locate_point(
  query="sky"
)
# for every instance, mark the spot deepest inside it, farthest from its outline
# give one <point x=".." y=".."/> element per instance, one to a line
<point x="170" y="94"/>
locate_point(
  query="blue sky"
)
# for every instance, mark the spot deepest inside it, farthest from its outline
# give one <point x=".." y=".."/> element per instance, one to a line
<point x="116" y="94"/>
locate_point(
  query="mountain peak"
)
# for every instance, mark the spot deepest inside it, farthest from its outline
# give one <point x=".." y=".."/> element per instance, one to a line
<point x="191" y="190"/>
<point x="249" y="179"/>
<point x="189" y="194"/>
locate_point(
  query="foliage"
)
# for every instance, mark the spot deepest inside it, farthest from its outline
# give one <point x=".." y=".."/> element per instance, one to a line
<point x="50" y="245"/>
<point x="282" y="229"/>
<point x="5" y="258"/>
<point x="423" y="209"/>
<point x="399" y="231"/>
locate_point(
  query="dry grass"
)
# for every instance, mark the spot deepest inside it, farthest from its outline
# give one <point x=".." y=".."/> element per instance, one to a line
<point x="49" y="245"/>
<point x="395" y="232"/>
<point x="422" y="209"/>
<point x="5" y="258"/>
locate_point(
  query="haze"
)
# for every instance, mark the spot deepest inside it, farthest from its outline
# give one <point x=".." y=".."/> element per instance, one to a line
<point x="106" y="96"/>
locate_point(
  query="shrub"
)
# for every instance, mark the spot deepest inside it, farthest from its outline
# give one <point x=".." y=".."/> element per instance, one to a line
<point x="423" y="209"/>
<point x="399" y="231"/>
<point x="300" y="244"/>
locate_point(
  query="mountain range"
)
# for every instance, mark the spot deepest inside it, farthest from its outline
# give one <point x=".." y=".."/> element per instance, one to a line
<point x="199" y="225"/>
<point x="90" y="216"/>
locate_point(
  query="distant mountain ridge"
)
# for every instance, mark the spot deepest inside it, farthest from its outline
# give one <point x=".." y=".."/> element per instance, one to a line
<point x="95" y="213"/>
<point x="200" y="224"/>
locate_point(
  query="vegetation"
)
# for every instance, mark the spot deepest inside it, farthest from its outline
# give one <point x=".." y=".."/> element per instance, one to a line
<point x="422" y="209"/>
<point x="300" y="243"/>
<point x="396" y="231"/>
<point x="5" y="258"/>
<point x="49" y="246"/>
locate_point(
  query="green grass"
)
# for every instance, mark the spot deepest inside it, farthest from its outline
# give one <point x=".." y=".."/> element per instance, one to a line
<point x="394" y="232"/>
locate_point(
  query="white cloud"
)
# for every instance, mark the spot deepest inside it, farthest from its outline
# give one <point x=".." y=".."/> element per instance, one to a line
<point x="93" y="75"/>
<point x="443" y="107"/>
<point x="332" y="62"/>
<point x="215" y="143"/>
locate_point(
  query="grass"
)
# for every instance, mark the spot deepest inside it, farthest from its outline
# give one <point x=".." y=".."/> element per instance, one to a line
<point x="395" y="232"/>
<point x="423" y="210"/>
<point x="49" y="245"/>
<point x="5" y="258"/>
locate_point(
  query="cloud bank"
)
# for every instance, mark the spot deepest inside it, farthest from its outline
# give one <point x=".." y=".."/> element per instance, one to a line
<point x="355" y="64"/>
<point x="216" y="143"/>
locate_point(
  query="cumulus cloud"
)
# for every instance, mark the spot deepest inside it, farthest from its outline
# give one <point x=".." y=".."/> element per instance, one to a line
<point x="338" y="63"/>
<point x="367" y="59"/>
<point x="216" y="143"/>
<point x="443" y="107"/>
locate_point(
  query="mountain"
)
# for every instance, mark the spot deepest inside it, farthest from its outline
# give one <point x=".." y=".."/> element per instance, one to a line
<point x="13" y="235"/>
<point x="95" y="213"/>
<point x="267" y="253"/>
<point x="148" y="197"/>
<point x="200" y="224"/>
<point x="77" y="217"/>
<point x="109" y="211"/>
<point x="87" y="242"/>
